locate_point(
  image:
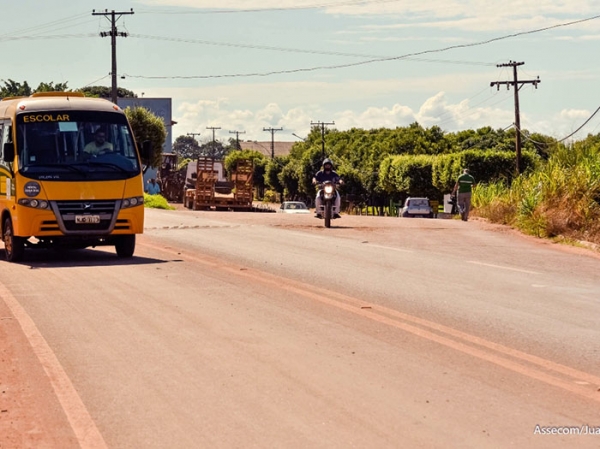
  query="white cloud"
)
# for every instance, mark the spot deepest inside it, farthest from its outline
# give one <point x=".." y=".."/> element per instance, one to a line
<point x="372" y="117"/>
<point x="573" y="114"/>
<point x="480" y="15"/>
<point x="435" y="110"/>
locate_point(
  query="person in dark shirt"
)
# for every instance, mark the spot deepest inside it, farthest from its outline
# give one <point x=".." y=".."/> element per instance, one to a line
<point x="327" y="174"/>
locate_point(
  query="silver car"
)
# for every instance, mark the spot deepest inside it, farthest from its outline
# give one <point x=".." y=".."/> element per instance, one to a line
<point x="293" y="207"/>
<point x="417" y="208"/>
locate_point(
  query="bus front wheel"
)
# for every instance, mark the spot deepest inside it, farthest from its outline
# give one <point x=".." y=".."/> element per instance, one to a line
<point x="125" y="245"/>
<point x="14" y="246"/>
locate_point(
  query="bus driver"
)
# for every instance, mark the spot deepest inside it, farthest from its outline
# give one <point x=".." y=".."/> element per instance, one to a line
<point x="99" y="145"/>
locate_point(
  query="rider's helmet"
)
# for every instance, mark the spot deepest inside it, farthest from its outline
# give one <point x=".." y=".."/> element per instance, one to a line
<point x="327" y="161"/>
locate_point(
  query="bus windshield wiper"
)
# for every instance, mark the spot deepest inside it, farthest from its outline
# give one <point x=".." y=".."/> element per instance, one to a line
<point x="67" y="166"/>
<point x="109" y="164"/>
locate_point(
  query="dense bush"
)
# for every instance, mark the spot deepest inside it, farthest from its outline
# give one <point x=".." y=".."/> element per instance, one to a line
<point x="410" y="175"/>
<point x="156" y="202"/>
<point x="485" y="166"/>
<point x="560" y="198"/>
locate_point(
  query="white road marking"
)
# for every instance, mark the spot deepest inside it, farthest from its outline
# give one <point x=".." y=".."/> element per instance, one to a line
<point x="502" y="267"/>
<point x="390" y="248"/>
<point x="77" y="414"/>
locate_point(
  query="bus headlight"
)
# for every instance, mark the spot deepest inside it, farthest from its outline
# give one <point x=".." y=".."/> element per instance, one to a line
<point x="36" y="204"/>
<point x="132" y="202"/>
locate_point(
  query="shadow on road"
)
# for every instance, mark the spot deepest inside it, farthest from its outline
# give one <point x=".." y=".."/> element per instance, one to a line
<point x="46" y="258"/>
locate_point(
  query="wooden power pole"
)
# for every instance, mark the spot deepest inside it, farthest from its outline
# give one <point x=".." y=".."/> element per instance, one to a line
<point x="272" y="131"/>
<point x="237" y="138"/>
<point x="322" y="125"/>
<point x="516" y="86"/>
<point x="214" y="141"/>
<point x="113" y="34"/>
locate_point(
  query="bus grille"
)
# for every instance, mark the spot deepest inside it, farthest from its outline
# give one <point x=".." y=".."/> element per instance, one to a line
<point x="68" y="210"/>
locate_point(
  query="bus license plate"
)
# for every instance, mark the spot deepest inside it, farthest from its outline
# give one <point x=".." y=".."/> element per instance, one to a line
<point x="87" y="219"/>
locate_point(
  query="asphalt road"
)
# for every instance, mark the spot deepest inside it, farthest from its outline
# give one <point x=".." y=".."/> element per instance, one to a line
<point x="236" y="330"/>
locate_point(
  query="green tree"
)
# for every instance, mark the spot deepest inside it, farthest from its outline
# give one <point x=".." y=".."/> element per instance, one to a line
<point x="106" y="92"/>
<point x="15" y="89"/>
<point x="50" y="87"/>
<point x="213" y="149"/>
<point x="148" y="126"/>
<point x="186" y="147"/>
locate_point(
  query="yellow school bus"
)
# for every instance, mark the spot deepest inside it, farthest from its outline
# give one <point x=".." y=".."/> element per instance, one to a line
<point x="70" y="174"/>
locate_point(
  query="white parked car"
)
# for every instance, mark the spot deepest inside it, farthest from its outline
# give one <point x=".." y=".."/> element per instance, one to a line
<point x="417" y="208"/>
<point x="293" y="207"/>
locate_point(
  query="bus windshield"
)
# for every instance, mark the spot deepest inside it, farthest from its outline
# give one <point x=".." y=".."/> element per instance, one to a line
<point x="75" y="145"/>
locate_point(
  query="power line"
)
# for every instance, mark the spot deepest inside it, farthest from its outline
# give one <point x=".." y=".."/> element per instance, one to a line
<point x="371" y="61"/>
<point x="294" y="50"/>
<point x="564" y="138"/>
<point x="51" y="24"/>
<point x="94" y="82"/>
<point x="47" y="36"/>
<point x="258" y="10"/>
<point x="472" y="110"/>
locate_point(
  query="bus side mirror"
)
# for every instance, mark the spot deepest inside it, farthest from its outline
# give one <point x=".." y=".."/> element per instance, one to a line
<point x="9" y="152"/>
<point x="146" y="149"/>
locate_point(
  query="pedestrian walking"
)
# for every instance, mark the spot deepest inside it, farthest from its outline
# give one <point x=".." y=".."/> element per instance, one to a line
<point x="462" y="190"/>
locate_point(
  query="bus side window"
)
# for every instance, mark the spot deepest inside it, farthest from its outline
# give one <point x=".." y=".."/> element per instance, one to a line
<point x="5" y="137"/>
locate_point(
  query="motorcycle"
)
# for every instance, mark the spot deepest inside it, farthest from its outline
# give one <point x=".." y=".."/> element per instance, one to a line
<point x="328" y="194"/>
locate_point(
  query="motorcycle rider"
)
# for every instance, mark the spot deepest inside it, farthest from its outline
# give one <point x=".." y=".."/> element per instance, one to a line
<point x="327" y="174"/>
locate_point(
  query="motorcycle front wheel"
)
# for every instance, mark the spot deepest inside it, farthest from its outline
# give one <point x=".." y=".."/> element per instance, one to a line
<point x="327" y="214"/>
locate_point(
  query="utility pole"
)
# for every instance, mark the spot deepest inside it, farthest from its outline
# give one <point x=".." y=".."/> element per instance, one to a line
<point x="237" y="138"/>
<point x="194" y="136"/>
<point x="272" y="131"/>
<point x="213" y="139"/>
<point x="113" y="34"/>
<point x="516" y="86"/>
<point x="322" y="125"/>
<point x="193" y="150"/>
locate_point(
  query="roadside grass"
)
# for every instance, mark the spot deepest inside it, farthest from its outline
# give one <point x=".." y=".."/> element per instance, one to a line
<point x="561" y="198"/>
<point x="156" y="202"/>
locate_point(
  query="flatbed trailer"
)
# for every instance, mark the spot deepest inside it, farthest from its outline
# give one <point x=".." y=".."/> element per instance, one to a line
<point x="205" y="195"/>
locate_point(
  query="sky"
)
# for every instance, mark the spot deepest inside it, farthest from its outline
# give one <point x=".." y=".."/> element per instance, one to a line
<point x="246" y="65"/>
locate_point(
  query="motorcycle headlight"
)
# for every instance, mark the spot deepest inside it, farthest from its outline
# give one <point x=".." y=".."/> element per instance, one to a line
<point x="328" y="189"/>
